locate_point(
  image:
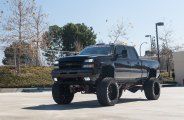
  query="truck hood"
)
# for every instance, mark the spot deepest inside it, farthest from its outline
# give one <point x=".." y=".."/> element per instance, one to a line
<point x="150" y="63"/>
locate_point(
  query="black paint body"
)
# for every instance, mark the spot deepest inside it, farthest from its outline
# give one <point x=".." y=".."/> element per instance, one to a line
<point x="125" y="69"/>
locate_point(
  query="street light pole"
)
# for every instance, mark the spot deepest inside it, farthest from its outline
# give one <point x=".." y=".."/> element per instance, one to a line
<point x="158" y="51"/>
<point x="141" y="46"/>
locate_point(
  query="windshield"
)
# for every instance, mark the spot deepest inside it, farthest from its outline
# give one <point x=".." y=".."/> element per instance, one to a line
<point x="97" y="50"/>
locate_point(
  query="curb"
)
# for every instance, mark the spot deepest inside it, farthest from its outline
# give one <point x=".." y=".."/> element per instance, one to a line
<point x="36" y="89"/>
<point x="9" y="90"/>
<point x="13" y="90"/>
<point x="169" y="85"/>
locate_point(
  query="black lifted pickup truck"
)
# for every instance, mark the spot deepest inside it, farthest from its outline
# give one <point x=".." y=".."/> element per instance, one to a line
<point x="105" y="70"/>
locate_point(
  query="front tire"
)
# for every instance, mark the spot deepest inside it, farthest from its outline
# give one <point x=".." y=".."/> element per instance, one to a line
<point x="61" y="94"/>
<point x="120" y="93"/>
<point x="107" y="92"/>
<point x="152" y="89"/>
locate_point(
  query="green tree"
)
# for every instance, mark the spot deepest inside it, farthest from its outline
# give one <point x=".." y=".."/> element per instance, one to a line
<point x="70" y="37"/>
<point x="52" y="43"/>
<point x="77" y="36"/>
<point x="26" y="54"/>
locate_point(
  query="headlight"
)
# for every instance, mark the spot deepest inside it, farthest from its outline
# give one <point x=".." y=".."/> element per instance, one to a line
<point x="89" y="60"/>
<point x="56" y="64"/>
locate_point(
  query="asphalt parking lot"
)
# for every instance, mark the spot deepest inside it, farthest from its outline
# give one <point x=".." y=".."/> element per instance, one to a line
<point x="132" y="106"/>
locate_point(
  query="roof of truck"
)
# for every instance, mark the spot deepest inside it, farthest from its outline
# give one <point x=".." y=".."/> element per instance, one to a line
<point x="107" y="45"/>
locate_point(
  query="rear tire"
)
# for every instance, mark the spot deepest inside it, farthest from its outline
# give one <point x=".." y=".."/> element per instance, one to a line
<point x="152" y="89"/>
<point x="107" y="92"/>
<point x="61" y="94"/>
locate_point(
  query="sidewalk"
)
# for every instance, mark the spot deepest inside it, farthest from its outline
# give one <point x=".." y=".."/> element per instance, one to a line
<point x="10" y="90"/>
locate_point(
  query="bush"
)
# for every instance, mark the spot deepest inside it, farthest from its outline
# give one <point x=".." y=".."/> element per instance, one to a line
<point x="166" y="75"/>
<point x="166" y="79"/>
<point x="29" y="77"/>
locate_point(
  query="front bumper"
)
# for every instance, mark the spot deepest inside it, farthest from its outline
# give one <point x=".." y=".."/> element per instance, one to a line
<point x="75" y="76"/>
<point x="68" y="73"/>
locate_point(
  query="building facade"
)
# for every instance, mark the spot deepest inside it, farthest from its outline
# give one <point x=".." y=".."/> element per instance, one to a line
<point x="179" y="67"/>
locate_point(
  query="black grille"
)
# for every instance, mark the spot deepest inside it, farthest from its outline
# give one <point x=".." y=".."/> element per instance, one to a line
<point x="66" y="65"/>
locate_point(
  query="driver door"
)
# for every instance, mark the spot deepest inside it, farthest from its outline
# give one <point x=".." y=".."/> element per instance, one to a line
<point x="122" y="65"/>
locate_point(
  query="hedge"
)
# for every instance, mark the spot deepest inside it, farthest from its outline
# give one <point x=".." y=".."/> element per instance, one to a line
<point x="29" y="77"/>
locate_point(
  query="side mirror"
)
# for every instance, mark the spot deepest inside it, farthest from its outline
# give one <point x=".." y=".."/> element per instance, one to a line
<point x="124" y="54"/>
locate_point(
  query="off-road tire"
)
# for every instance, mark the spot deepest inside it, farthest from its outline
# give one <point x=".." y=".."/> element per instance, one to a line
<point x="107" y="92"/>
<point x="152" y="89"/>
<point x="61" y="94"/>
<point x="120" y="93"/>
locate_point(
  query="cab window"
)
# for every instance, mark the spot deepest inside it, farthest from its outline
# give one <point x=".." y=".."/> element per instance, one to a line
<point x="132" y="53"/>
<point x="119" y="50"/>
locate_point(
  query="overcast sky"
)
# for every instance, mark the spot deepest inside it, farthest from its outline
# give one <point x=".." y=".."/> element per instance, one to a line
<point x="102" y="15"/>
